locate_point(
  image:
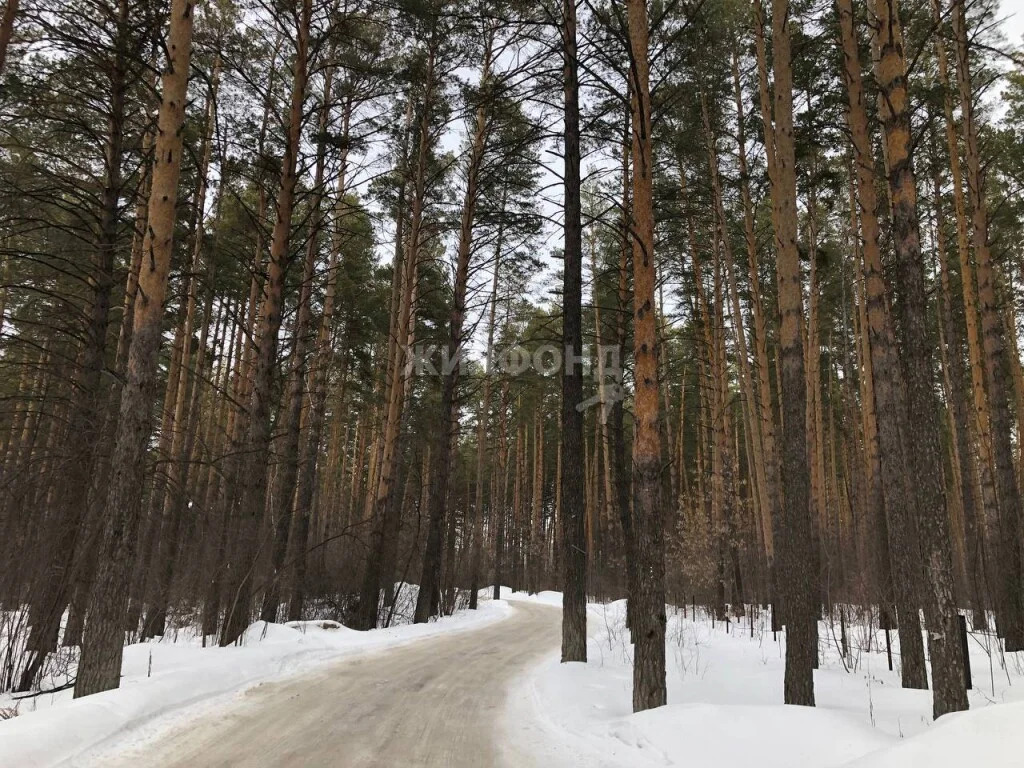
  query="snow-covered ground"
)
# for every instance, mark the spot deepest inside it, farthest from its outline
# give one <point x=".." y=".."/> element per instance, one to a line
<point x="724" y="690"/>
<point x="725" y="694"/>
<point x="168" y="681"/>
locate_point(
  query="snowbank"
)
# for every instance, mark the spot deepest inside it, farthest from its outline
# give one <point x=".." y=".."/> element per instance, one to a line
<point x="164" y="683"/>
<point x="725" y="693"/>
<point x="989" y="736"/>
<point x="547" y="597"/>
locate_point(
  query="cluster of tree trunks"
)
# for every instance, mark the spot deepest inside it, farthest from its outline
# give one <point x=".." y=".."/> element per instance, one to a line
<point x="771" y="425"/>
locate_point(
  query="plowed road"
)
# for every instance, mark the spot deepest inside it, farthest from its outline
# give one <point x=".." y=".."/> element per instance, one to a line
<point x="435" y="702"/>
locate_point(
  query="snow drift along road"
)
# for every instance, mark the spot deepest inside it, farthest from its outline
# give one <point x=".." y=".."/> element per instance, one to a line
<point x="437" y="702"/>
<point x="188" y="682"/>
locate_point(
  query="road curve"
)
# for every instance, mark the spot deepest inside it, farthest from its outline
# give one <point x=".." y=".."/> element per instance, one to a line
<point x="436" y="702"/>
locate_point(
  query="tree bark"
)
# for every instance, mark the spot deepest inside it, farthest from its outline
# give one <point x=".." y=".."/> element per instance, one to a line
<point x="7" y="30"/>
<point x="102" y="646"/>
<point x="574" y="543"/>
<point x="797" y="579"/>
<point x="649" y="689"/>
<point x="187" y="401"/>
<point x="925" y="462"/>
<point x="886" y="381"/>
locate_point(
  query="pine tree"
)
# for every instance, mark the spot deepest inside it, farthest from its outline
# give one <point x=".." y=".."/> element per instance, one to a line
<point x="649" y="616"/>
<point x="572" y="514"/>
<point x="922" y="409"/>
<point x="794" y="578"/>
<point x="100" y="665"/>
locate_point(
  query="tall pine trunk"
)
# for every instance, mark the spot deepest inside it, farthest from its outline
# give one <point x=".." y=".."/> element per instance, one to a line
<point x="574" y="543"/>
<point x="649" y="618"/>
<point x="886" y="381"/>
<point x="797" y="580"/>
<point x="911" y="310"/>
<point x="102" y="645"/>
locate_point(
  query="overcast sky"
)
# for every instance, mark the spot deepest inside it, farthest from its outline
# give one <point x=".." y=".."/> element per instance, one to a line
<point x="1014" y="24"/>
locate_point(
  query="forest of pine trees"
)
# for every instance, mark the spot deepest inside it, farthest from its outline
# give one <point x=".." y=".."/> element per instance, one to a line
<point x="306" y="302"/>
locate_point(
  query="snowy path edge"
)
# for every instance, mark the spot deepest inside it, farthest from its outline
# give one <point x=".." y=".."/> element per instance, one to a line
<point x="78" y="731"/>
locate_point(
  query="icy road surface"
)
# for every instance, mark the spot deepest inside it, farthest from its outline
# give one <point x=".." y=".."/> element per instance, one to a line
<point x="436" y="702"/>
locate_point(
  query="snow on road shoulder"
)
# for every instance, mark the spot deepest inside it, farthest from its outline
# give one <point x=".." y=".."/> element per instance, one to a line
<point x="989" y="736"/>
<point x="166" y="683"/>
<point x="725" y="693"/>
<point x="547" y="597"/>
